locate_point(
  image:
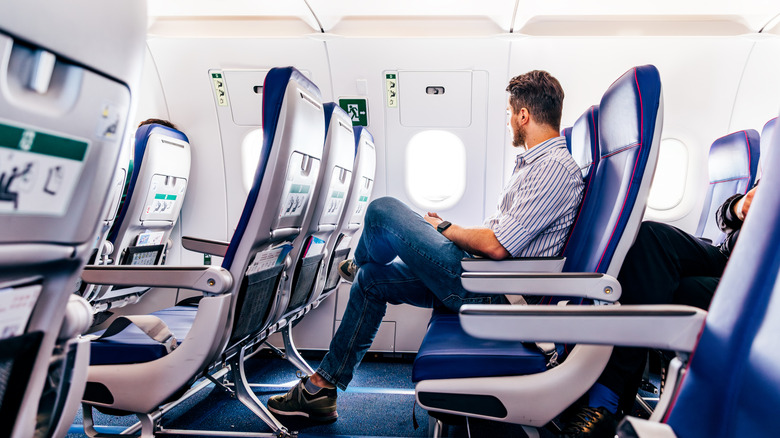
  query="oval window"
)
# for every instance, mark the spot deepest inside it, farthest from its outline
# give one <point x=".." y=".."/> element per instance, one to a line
<point x="671" y="174"/>
<point x="435" y="169"/>
<point x="250" y="155"/>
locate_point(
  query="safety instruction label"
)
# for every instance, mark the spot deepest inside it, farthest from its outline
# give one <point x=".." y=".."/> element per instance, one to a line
<point x="219" y="89"/>
<point x="39" y="171"/>
<point x="391" y="86"/>
<point x="16" y="305"/>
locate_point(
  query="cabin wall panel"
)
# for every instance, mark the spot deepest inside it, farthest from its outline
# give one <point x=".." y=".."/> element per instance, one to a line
<point x="699" y="75"/>
<point x="758" y="99"/>
<point x="358" y="67"/>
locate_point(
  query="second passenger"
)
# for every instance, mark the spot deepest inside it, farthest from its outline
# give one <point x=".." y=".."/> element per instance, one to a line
<point x="405" y="258"/>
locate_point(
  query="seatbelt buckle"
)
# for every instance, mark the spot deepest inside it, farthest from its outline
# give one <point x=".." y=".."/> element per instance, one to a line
<point x="170" y="343"/>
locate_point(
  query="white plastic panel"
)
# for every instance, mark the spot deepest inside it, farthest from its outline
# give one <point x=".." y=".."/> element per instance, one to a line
<point x="245" y="93"/>
<point x="433" y="17"/>
<point x="435" y="99"/>
<point x="662" y="17"/>
<point x="407" y="165"/>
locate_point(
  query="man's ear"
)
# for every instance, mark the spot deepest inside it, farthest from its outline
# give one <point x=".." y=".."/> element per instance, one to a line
<point x="524" y="115"/>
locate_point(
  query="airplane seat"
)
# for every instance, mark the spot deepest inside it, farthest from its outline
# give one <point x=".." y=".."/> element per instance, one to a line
<point x="358" y="197"/>
<point x="766" y="138"/>
<point x="446" y="345"/>
<point x="153" y="198"/>
<point x="629" y="124"/>
<point x="733" y="163"/>
<point x="336" y="178"/>
<point x="729" y="387"/>
<point x="726" y="379"/>
<point x="566" y="133"/>
<point x="64" y="107"/>
<point x="241" y="298"/>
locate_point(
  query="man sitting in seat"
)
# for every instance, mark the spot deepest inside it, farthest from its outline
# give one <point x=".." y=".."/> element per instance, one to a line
<point x="403" y="257"/>
<point x="665" y="265"/>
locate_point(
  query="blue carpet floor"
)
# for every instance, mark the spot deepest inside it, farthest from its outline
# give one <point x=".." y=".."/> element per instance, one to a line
<point x="378" y="403"/>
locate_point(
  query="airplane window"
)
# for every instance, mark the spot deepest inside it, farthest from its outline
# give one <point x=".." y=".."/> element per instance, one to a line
<point x="250" y="155"/>
<point x="670" y="175"/>
<point x="435" y="169"/>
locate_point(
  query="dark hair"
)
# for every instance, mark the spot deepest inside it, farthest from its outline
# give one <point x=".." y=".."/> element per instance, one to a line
<point x="540" y="93"/>
<point x="157" y="121"/>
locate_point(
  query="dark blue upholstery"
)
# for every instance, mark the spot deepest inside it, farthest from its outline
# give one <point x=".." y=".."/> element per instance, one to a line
<point x="142" y="135"/>
<point x="626" y="123"/>
<point x="612" y="187"/>
<point x="273" y="96"/>
<point x="566" y="133"/>
<point x="732" y="387"/>
<point x="733" y="164"/>
<point x="134" y="346"/>
<point x="448" y="352"/>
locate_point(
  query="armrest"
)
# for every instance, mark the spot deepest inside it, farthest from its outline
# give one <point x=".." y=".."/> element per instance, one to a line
<point x="526" y="264"/>
<point x="668" y="327"/>
<point x="214" y="247"/>
<point x="596" y="286"/>
<point x="208" y="279"/>
<point x="632" y="427"/>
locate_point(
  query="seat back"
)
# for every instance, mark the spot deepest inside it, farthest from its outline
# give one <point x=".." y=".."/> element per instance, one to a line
<point x="315" y="244"/>
<point x="149" y="208"/>
<point x="629" y="123"/>
<point x="730" y="387"/>
<point x="358" y="197"/>
<point x="279" y="199"/>
<point x="766" y="138"/>
<point x="733" y="164"/>
<point x="155" y="194"/>
<point x="64" y="107"/>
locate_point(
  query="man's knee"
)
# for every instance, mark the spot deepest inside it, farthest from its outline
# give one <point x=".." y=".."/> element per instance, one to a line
<point x="382" y="208"/>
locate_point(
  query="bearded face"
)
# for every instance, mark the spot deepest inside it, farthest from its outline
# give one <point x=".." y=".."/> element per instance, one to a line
<point x="518" y="132"/>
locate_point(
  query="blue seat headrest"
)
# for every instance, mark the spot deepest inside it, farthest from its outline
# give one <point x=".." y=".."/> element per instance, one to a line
<point x="734" y="156"/>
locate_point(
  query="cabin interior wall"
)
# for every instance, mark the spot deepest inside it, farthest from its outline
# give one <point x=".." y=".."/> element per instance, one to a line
<point x="712" y="85"/>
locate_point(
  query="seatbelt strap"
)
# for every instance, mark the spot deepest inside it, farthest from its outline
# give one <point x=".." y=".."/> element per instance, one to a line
<point x="151" y="325"/>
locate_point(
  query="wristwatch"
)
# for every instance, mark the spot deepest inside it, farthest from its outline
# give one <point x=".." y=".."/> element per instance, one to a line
<point x="443" y="225"/>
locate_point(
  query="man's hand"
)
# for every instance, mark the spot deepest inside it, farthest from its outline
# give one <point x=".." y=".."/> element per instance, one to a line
<point x="433" y="219"/>
<point x="741" y="208"/>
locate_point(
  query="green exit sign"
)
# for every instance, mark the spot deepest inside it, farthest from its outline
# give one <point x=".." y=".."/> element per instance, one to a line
<point x="356" y="109"/>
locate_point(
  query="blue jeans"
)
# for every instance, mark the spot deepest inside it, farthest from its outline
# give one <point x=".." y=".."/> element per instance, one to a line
<point x="402" y="259"/>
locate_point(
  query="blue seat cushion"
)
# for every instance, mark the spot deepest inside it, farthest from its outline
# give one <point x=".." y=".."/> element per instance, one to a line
<point x="447" y="352"/>
<point x="134" y="346"/>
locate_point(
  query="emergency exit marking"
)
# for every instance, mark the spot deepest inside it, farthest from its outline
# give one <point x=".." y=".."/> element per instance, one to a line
<point x="356" y="109"/>
<point x="219" y="89"/>
<point x="391" y="84"/>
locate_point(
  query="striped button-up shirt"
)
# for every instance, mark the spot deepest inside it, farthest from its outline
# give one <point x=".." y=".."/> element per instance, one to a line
<point x="539" y="203"/>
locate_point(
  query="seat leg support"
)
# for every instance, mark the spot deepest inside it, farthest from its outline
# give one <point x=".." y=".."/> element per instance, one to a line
<point x="292" y="354"/>
<point x="249" y="399"/>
